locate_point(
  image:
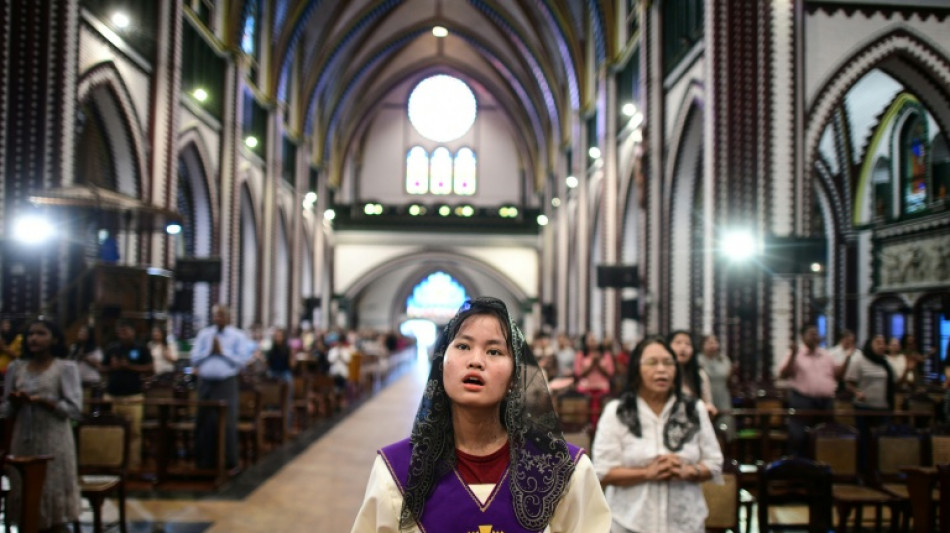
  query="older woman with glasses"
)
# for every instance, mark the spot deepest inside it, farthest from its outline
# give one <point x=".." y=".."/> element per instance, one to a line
<point x="654" y="446"/>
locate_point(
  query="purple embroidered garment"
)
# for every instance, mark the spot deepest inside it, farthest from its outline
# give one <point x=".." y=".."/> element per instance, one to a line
<point x="453" y="507"/>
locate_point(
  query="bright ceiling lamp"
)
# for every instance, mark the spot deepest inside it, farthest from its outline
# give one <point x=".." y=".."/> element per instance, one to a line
<point x="739" y="245"/>
<point x="33" y="229"/>
<point x="120" y="20"/>
<point x="440" y="31"/>
<point x="442" y="108"/>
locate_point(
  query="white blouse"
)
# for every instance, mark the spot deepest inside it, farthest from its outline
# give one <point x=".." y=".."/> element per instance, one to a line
<point x="582" y="508"/>
<point x="674" y="506"/>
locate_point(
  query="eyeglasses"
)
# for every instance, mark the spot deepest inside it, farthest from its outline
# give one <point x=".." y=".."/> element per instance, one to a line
<point x="657" y="362"/>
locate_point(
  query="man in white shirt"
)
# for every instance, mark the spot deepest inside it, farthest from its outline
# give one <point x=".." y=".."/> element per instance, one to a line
<point x="339" y="357"/>
<point x="842" y="353"/>
<point x="218" y="355"/>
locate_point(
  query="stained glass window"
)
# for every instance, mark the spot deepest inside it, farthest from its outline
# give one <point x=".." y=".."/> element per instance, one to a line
<point x="417" y="171"/>
<point x="436" y="298"/>
<point x="914" y="165"/>
<point x="440" y="178"/>
<point x="249" y="32"/>
<point x="465" y="167"/>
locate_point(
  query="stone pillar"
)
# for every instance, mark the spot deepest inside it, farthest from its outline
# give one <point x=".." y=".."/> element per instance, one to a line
<point x="38" y="62"/>
<point x="166" y="95"/>
<point x="655" y="311"/>
<point x="230" y="191"/>
<point x="609" y="205"/>
<point x="739" y="47"/>
<point x="268" y="243"/>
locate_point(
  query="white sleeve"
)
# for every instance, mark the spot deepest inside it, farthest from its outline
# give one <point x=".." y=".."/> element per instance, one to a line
<point x="382" y="502"/>
<point x="607" y="441"/>
<point x="709" y="452"/>
<point x="583" y="508"/>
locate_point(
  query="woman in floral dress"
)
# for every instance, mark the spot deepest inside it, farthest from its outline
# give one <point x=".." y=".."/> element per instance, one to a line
<point x="44" y="393"/>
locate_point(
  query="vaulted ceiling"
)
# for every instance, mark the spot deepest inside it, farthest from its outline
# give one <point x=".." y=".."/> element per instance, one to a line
<point x="341" y="56"/>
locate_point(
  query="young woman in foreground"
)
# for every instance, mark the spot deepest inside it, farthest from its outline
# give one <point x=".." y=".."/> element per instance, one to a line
<point x="486" y="451"/>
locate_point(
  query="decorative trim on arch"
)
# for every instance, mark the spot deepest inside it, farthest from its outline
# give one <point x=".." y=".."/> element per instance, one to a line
<point x="106" y="75"/>
<point x="684" y="162"/>
<point x="191" y="138"/>
<point x="421" y="273"/>
<point x="438" y="259"/>
<point x="900" y="42"/>
<point x="693" y="98"/>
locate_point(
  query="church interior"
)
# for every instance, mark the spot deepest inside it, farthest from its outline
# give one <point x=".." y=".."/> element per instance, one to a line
<point x="353" y="171"/>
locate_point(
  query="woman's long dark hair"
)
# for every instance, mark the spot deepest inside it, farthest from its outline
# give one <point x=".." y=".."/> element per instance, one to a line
<point x="881" y="361"/>
<point x="691" y="369"/>
<point x="676" y="432"/>
<point x="57" y="347"/>
<point x="90" y="344"/>
<point x="540" y="463"/>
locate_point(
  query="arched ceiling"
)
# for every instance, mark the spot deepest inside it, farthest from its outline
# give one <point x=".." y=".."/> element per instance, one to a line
<point x="341" y="55"/>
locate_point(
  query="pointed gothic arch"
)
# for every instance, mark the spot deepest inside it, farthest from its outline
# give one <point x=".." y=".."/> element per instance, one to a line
<point x="903" y="55"/>
<point x="280" y="295"/>
<point x="248" y="304"/>
<point x="102" y="88"/>
<point x="685" y="255"/>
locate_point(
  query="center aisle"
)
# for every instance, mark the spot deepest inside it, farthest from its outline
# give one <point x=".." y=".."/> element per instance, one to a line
<point x="319" y="490"/>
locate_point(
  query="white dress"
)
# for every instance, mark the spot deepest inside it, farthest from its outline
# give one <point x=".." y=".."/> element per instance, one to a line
<point x="582" y="508"/>
<point x="655" y="506"/>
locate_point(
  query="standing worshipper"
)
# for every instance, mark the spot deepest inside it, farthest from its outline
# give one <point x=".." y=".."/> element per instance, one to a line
<point x="164" y="353"/>
<point x="719" y="370"/>
<point x="43" y="392"/>
<point x="218" y="355"/>
<point x="843" y="352"/>
<point x="594" y="368"/>
<point x="810" y="371"/>
<point x="127" y="360"/>
<point x="870" y="380"/>
<point x="654" y="446"/>
<point x="87" y="355"/>
<point x="486" y="452"/>
<point x="695" y="380"/>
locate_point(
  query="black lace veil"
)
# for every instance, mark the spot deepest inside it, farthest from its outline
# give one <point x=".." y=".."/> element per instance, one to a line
<point x="540" y="465"/>
<point x="683" y="422"/>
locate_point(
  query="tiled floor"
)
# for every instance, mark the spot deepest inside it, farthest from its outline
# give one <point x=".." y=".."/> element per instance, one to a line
<point x="319" y="490"/>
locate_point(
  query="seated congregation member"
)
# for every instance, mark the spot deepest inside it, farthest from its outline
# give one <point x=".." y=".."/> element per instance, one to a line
<point x="486" y="451"/>
<point x="127" y="360"/>
<point x="654" y="446"/>
<point x="42" y="391"/>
